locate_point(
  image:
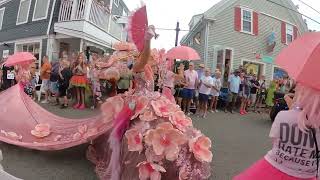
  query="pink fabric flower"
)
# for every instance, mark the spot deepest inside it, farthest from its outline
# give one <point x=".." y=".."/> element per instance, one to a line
<point x="165" y="140"/>
<point x="162" y="108"/>
<point x="166" y="92"/>
<point x="151" y="155"/>
<point x="141" y="105"/>
<point x="148" y="116"/>
<point x="82" y="129"/>
<point x="41" y="130"/>
<point x="111" y="108"/>
<point x="134" y="138"/>
<point x="14" y="136"/>
<point x="150" y="171"/>
<point x="200" y="147"/>
<point x="180" y="120"/>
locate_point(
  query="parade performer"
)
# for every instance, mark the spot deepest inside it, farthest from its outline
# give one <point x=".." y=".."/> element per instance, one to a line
<point x="151" y="137"/>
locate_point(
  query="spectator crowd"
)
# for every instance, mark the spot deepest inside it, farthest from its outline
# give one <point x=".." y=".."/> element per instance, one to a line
<point x="77" y="80"/>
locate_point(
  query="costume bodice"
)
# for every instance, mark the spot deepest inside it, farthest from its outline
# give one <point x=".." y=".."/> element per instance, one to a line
<point x="142" y="85"/>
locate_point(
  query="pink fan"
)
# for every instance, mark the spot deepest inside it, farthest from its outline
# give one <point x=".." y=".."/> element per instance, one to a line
<point x="138" y="27"/>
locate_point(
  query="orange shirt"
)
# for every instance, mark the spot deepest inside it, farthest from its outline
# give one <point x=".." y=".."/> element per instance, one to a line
<point x="45" y="71"/>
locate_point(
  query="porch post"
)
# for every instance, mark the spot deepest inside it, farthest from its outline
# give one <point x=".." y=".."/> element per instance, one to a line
<point x="87" y="9"/>
<point x="110" y="17"/>
<point x="74" y="9"/>
<point x="81" y="45"/>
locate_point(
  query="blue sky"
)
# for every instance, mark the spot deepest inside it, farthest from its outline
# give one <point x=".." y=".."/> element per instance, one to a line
<point x="165" y="14"/>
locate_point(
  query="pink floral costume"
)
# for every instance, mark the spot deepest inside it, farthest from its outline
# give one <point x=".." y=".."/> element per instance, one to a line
<point x="151" y="138"/>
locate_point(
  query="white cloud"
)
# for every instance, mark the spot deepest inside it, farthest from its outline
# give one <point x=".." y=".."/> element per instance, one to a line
<point x="166" y="13"/>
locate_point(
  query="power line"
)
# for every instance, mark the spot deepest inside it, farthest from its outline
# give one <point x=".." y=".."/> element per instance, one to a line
<point x="309" y="6"/>
<point x="294" y="11"/>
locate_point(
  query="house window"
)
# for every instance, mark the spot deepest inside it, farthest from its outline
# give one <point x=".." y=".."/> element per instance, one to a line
<point x="1" y="17"/>
<point x="23" y="13"/>
<point x="246" y="20"/>
<point x="289" y="33"/>
<point x="5" y="54"/>
<point x="116" y="2"/>
<point x="33" y="48"/>
<point x="124" y="13"/>
<point x="41" y="10"/>
<point x="197" y="38"/>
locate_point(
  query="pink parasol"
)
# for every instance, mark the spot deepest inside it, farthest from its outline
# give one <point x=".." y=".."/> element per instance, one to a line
<point x="138" y="27"/>
<point x="301" y="60"/>
<point x="183" y="52"/>
<point x="20" y="58"/>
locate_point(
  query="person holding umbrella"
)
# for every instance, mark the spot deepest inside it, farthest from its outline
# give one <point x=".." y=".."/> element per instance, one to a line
<point x="295" y="133"/>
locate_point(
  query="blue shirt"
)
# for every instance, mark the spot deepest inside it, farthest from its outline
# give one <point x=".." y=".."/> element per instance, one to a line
<point x="234" y="83"/>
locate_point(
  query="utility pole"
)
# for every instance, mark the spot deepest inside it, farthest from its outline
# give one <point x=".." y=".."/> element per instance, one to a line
<point x="176" y="44"/>
<point x="177" y="34"/>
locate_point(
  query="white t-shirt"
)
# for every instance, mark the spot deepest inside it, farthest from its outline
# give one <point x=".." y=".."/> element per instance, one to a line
<point x="293" y="151"/>
<point x="217" y="84"/>
<point x="208" y="81"/>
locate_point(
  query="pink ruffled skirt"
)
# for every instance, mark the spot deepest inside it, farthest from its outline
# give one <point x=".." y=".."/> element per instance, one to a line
<point x="263" y="170"/>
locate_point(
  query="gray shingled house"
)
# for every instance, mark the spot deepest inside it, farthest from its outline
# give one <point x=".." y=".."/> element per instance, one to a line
<point x="245" y="32"/>
<point x="48" y="27"/>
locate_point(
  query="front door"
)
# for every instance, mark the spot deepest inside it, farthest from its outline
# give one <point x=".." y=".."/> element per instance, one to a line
<point x="224" y="61"/>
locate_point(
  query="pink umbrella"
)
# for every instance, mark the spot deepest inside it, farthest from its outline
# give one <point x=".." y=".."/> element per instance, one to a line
<point x="183" y="52"/>
<point x="301" y="59"/>
<point x="20" y="58"/>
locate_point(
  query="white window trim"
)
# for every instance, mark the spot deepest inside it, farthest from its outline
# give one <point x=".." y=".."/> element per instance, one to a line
<point x="34" y="10"/>
<point x="116" y="4"/>
<point x="287" y="43"/>
<point x="256" y="62"/>
<point x="251" y="11"/>
<point x="224" y="48"/>
<point x="31" y="41"/>
<point x="4" y="9"/>
<point x="18" y="23"/>
<point x="273" y="67"/>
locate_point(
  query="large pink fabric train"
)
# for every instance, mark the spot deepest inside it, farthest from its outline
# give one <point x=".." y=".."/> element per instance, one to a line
<point x="24" y="123"/>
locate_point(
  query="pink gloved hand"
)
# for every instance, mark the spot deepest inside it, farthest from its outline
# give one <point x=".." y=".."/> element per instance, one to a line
<point x="151" y="32"/>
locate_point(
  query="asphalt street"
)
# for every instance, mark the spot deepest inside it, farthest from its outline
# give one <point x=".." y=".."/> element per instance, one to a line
<point x="238" y="141"/>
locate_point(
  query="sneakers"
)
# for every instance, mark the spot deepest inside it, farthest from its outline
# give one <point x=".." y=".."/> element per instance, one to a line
<point x="76" y="106"/>
<point x="44" y="102"/>
<point x="82" y="107"/>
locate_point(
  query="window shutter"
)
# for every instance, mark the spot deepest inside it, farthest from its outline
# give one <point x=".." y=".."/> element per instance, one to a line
<point x="255" y="23"/>
<point x="295" y="32"/>
<point x="283" y="32"/>
<point x="237" y="19"/>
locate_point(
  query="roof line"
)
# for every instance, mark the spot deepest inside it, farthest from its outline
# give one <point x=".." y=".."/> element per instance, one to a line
<point x="4" y="2"/>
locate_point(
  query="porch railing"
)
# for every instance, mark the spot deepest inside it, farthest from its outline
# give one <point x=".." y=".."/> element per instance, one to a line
<point x="92" y="11"/>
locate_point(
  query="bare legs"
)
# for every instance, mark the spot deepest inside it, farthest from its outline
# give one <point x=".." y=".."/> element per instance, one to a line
<point x="244" y="102"/>
<point x="80" y="96"/>
<point x="214" y="103"/>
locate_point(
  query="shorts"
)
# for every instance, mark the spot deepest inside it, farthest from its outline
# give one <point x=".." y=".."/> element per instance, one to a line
<point x="178" y="92"/>
<point x="54" y="87"/>
<point x="253" y="98"/>
<point x="45" y="86"/>
<point x="188" y="93"/>
<point x="203" y="97"/>
<point x="232" y="97"/>
<point x="244" y="95"/>
<point x="63" y="90"/>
